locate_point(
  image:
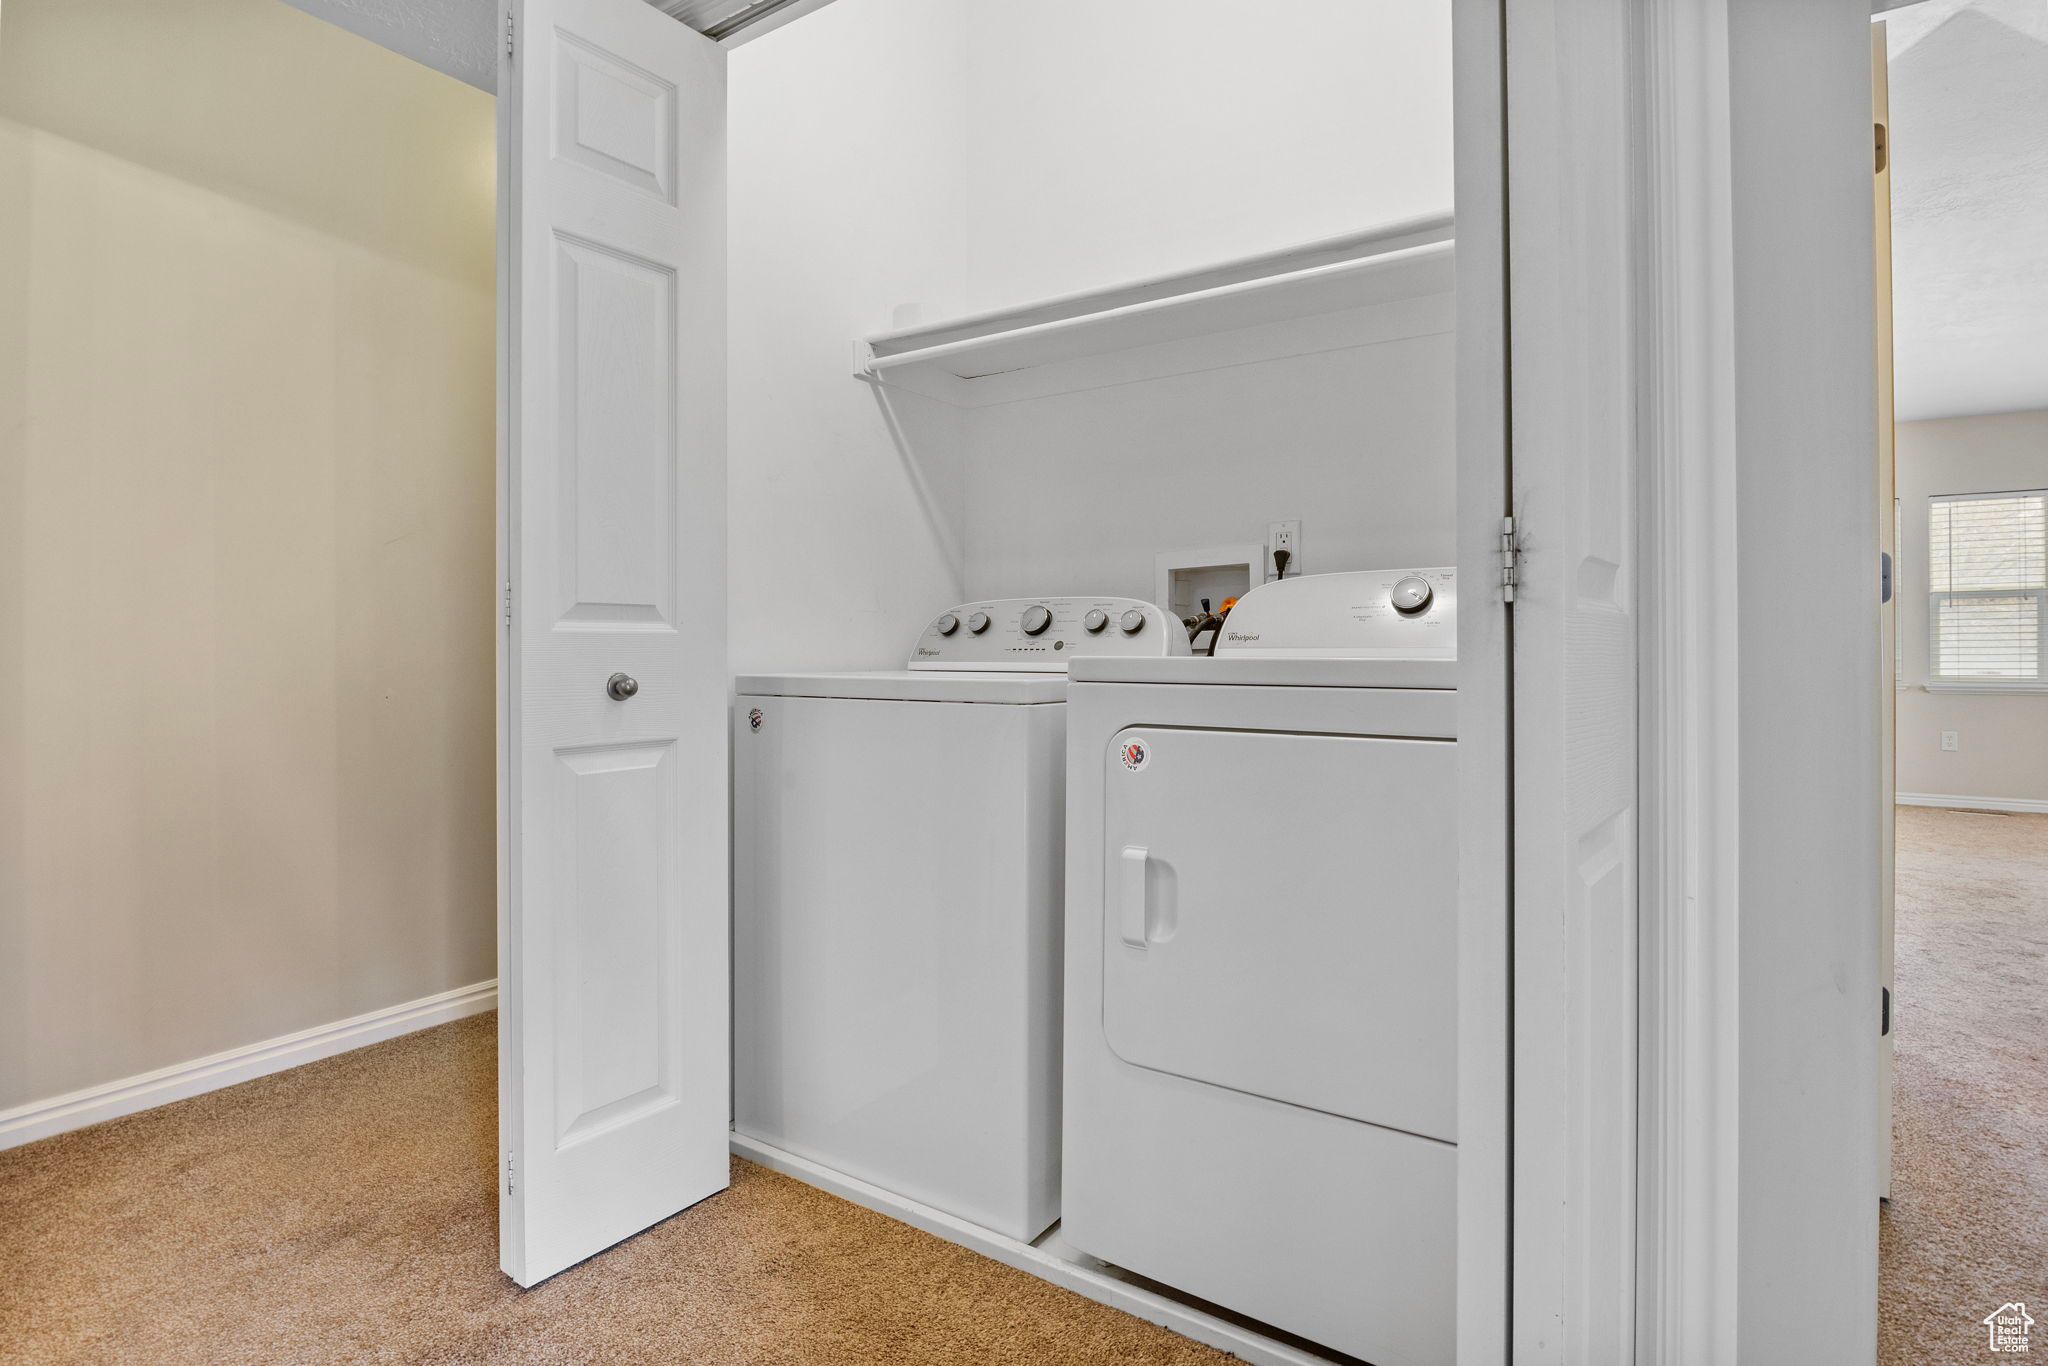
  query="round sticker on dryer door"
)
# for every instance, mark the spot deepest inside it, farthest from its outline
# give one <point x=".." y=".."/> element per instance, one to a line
<point x="1135" y="754"/>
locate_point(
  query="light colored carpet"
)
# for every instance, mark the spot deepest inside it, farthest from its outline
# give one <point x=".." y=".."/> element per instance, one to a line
<point x="345" y="1211"/>
<point x="1967" y="1226"/>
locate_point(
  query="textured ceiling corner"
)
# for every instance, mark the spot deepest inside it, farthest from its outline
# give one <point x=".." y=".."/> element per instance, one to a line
<point x="454" y="36"/>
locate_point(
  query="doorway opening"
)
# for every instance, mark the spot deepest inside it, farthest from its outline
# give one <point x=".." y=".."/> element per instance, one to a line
<point x="1966" y="668"/>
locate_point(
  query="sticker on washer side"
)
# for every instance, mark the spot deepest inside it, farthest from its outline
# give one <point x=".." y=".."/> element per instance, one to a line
<point x="1135" y="754"/>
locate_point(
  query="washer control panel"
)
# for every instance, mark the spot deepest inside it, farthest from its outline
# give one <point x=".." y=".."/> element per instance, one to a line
<point x="1368" y="614"/>
<point x="1039" y="635"/>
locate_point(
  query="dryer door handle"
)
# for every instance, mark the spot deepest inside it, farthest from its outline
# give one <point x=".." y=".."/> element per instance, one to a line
<point x="1130" y="899"/>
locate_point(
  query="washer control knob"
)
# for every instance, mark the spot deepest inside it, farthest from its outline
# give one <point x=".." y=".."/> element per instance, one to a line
<point x="1095" y="620"/>
<point x="1036" y="619"/>
<point x="1412" y="594"/>
<point x="978" y="623"/>
<point x="947" y="624"/>
<point x="1132" y="621"/>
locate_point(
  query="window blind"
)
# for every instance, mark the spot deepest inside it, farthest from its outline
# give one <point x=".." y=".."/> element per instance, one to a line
<point x="1988" y="587"/>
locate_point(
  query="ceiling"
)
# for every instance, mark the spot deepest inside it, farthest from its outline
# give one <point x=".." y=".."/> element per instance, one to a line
<point x="460" y="36"/>
<point x="1969" y="141"/>
<point x="449" y="35"/>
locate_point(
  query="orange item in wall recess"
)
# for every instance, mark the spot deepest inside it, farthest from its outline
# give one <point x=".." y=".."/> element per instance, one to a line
<point x="1224" y="610"/>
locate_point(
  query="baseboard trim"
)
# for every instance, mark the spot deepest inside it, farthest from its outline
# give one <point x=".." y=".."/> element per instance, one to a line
<point x="1050" y="1259"/>
<point x="2021" y="804"/>
<point x="95" y="1104"/>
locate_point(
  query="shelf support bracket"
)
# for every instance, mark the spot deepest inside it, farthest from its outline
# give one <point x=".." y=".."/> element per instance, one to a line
<point x="864" y="361"/>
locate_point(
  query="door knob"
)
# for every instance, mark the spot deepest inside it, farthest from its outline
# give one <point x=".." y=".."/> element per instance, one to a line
<point x="619" y="687"/>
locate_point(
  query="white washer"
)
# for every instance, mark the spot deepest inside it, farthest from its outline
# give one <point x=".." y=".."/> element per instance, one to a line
<point x="1261" y="1003"/>
<point x="897" y="913"/>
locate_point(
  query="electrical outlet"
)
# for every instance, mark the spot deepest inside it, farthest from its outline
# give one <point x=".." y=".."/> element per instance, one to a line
<point x="1948" y="741"/>
<point x="1283" y="536"/>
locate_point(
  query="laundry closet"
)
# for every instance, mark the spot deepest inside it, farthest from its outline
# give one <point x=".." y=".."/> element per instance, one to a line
<point x="1030" y="319"/>
<point x="1049" y="344"/>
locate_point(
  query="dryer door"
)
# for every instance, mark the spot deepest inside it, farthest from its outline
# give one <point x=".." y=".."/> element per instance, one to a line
<point x="1282" y="918"/>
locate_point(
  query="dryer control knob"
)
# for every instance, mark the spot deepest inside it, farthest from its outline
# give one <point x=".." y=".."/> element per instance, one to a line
<point x="978" y="622"/>
<point x="947" y="624"/>
<point x="1412" y="594"/>
<point x="1132" y="621"/>
<point x="1036" y="619"/>
<point x="1095" y="620"/>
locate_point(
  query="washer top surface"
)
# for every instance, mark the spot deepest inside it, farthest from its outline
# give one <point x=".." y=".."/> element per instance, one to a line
<point x="912" y="685"/>
<point x="1002" y="650"/>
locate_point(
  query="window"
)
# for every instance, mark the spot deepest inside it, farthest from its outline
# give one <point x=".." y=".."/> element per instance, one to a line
<point x="1898" y="588"/>
<point x="1988" y="588"/>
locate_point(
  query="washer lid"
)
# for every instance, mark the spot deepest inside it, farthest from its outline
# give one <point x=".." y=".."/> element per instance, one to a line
<point x="903" y="685"/>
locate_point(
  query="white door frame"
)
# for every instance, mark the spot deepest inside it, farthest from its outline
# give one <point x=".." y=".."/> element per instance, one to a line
<point x="1690" y="760"/>
<point x="1747" y="183"/>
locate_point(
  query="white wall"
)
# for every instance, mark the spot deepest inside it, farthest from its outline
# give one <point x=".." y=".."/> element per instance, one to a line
<point x="898" y="161"/>
<point x="848" y="151"/>
<point x="1134" y="137"/>
<point x="1806" y="1218"/>
<point x="2003" y="737"/>
<point x="1357" y="445"/>
<point x="246" y="466"/>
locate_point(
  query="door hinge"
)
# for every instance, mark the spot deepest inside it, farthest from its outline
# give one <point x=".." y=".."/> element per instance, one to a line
<point x="1884" y="1012"/>
<point x="1882" y="158"/>
<point x="508" y="33"/>
<point x="508" y="1173"/>
<point x="508" y="602"/>
<point x="1510" y="560"/>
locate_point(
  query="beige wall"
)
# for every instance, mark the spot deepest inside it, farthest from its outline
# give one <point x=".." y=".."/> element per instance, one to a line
<point x="2003" y="736"/>
<point x="246" y="521"/>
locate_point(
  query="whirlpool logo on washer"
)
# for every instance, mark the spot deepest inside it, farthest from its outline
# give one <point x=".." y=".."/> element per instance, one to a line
<point x="1135" y="754"/>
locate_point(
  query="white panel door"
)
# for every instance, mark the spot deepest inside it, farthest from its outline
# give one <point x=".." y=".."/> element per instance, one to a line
<point x="613" y="1025"/>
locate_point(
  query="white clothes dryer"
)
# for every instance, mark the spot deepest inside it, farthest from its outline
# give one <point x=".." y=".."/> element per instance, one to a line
<point x="1261" y="1002"/>
<point x="898" y="871"/>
